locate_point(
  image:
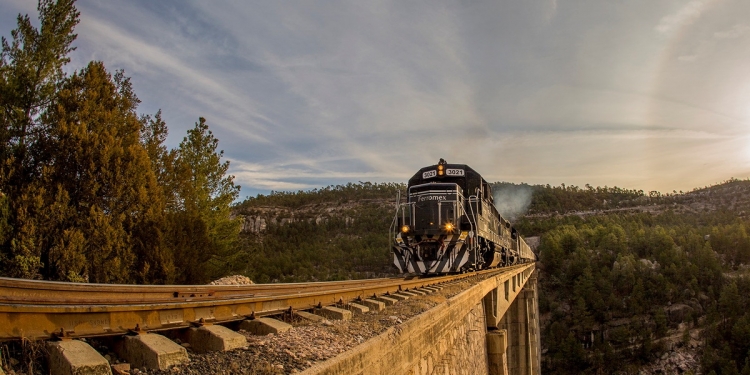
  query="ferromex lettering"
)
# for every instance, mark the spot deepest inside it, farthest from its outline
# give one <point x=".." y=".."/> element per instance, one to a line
<point x="433" y="198"/>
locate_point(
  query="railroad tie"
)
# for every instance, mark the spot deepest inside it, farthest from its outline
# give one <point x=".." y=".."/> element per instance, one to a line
<point x="387" y="300"/>
<point x="264" y="326"/>
<point x="398" y="296"/>
<point x="373" y="304"/>
<point x="311" y="317"/>
<point x="358" y="308"/>
<point x="334" y="313"/>
<point x="151" y="350"/>
<point x="75" y="357"/>
<point x="214" y="338"/>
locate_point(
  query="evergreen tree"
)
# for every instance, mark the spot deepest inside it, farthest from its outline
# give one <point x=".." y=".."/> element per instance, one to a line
<point x="30" y="72"/>
<point x="190" y="243"/>
<point x="205" y="192"/>
<point x="88" y="190"/>
<point x="153" y="135"/>
<point x="111" y="204"/>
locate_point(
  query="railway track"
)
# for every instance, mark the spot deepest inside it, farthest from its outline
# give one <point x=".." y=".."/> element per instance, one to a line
<point x="38" y="310"/>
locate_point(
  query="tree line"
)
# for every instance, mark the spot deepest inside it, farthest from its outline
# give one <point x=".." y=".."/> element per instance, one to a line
<point x="88" y="189"/>
<point x="350" y="191"/>
<point x="547" y="199"/>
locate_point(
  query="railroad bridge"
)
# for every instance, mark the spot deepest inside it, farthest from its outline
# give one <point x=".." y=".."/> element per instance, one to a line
<point x="492" y="327"/>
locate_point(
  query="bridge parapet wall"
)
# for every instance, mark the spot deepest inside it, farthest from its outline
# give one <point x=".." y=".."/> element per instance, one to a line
<point x="447" y="339"/>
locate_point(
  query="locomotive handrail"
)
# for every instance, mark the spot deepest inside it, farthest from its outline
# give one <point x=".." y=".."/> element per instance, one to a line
<point x="472" y="226"/>
<point x="458" y="203"/>
<point x="400" y="207"/>
<point x="474" y="244"/>
<point x="392" y="229"/>
<point x="403" y="216"/>
<point x="440" y="211"/>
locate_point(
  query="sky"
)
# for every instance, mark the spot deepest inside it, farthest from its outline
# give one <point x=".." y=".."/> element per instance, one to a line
<point x="642" y="94"/>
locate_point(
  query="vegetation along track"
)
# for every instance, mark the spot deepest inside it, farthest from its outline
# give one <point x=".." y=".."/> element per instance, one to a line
<point x="42" y="309"/>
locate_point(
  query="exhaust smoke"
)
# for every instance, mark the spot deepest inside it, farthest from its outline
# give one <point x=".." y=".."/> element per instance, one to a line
<point x="512" y="201"/>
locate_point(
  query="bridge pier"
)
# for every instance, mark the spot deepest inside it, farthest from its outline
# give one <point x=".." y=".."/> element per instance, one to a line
<point x="520" y="322"/>
<point x="497" y="345"/>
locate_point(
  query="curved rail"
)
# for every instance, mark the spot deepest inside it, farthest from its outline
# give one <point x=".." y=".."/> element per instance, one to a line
<point x="43" y="309"/>
<point x="14" y="291"/>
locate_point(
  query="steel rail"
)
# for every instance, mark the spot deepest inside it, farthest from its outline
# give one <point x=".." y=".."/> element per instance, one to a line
<point x="129" y="307"/>
<point x="14" y="291"/>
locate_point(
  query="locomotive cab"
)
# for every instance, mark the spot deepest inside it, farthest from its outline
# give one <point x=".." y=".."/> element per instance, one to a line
<point x="436" y="208"/>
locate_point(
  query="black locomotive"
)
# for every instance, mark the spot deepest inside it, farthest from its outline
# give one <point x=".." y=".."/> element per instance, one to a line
<point x="449" y="224"/>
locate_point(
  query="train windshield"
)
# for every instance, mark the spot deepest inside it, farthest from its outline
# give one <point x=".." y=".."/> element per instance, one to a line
<point x="435" y="205"/>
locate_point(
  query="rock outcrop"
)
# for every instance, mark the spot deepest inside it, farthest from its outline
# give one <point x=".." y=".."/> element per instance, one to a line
<point x="233" y="280"/>
<point x="258" y="219"/>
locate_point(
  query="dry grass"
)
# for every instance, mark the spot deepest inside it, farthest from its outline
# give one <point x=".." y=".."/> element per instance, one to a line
<point x="435" y="298"/>
<point x="24" y="357"/>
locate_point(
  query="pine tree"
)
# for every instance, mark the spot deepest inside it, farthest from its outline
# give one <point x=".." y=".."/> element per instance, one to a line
<point x="205" y="192"/>
<point x="31" y="69"/>
<point x="30" y="72"/>
<point x="89" y="191"/>
<point x="154" y="133"/>
<point x="188" y="237"/>
<point x="112" y="208"/>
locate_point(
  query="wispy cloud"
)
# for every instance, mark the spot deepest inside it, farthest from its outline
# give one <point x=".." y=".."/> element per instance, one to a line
<point x="683" y="17"/>
<point x="123" y="48"/>
<point x="551" y="10"/>
<point x="302" y="95"/>
<point x="735" y="32"/>
<point x="292" y="176"/>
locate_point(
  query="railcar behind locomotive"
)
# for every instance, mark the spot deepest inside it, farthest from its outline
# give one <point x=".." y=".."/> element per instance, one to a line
<point x="449" y="224"/>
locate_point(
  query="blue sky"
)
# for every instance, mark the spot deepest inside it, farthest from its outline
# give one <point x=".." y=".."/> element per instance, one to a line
<point x="645" y="94"/>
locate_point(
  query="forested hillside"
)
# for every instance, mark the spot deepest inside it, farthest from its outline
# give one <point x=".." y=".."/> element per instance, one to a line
<point x="626" y="278"/>
<point x="624" y="286"/>
<point x="88" y="190"/>
<point x="334" y="233"/>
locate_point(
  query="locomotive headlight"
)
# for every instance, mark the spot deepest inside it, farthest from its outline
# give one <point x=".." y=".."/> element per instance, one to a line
<point x="405" y="229"/>
<point x="441" y="169"/>
<point x="448" y="227"/>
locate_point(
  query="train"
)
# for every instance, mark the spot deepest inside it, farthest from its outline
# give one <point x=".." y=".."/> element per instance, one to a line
<point x="449" y="224"/>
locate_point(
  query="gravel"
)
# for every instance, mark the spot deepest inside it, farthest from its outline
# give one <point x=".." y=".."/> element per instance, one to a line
<point x="308" y="343"/>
